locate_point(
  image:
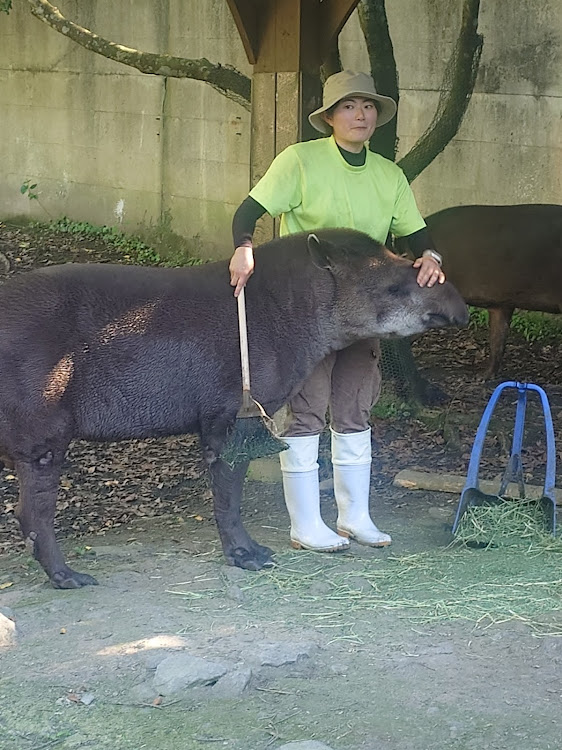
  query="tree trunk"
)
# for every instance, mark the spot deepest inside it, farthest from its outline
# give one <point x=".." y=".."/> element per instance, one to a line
<point x="456" y="88"/>
<point x="374" y="24"/>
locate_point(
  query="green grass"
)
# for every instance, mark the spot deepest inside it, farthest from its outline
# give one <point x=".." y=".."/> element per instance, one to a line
<point x="520" y="580"/>
<point x="532" y="325"/>
<point x="505" y="523"/>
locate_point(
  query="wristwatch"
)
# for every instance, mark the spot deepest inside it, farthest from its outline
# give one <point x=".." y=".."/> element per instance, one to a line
<point x="434" y="256"/>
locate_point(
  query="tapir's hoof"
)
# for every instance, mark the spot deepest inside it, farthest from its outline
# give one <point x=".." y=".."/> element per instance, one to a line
<point x="255" y="559"/>
<point x="70" y="579"/>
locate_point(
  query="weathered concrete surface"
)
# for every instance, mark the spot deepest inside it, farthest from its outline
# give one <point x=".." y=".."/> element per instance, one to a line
<point x="509" y="146"/>
<point x="109" y="145"/>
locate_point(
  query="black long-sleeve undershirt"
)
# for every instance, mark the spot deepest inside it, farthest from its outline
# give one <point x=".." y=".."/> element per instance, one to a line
<point x="244" y="221"/>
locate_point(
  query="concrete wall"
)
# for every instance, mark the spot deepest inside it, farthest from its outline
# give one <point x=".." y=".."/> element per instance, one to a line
<point x="109" y="145"/>
<point x="509" y="146"/>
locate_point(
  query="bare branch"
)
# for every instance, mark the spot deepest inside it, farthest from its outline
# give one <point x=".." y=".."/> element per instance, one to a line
<point x="224" y="78"/>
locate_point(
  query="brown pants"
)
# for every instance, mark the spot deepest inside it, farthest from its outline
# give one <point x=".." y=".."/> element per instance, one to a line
<point x="347" y="382"/>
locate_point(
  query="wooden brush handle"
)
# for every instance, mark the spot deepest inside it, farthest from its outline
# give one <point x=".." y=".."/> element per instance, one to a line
<point x="244" y="358"/>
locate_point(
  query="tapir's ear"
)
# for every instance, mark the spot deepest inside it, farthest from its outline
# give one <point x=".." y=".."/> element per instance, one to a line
<point x="319" y="251"/>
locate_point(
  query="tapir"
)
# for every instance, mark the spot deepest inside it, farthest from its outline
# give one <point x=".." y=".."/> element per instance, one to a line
<point x="110" y="352"/>
<point x="502" y="258"/>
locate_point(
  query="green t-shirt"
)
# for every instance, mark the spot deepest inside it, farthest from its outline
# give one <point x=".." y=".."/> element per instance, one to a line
<point x="311" y="186"/>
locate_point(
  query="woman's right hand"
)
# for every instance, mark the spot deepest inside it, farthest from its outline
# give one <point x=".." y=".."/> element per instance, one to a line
<point x="241" y="267"/>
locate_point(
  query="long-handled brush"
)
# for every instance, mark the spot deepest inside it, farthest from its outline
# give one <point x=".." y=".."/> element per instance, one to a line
<point x="254" y="434"/>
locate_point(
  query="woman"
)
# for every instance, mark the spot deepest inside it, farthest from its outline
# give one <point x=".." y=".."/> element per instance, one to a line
<point x="336" y="182"/>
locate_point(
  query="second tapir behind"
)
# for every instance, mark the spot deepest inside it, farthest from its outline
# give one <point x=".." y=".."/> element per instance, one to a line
<point x="103" y="352"/>
<point x="502" y="258"/>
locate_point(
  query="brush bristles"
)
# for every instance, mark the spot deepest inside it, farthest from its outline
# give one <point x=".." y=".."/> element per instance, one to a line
<point x="250" y="439"/>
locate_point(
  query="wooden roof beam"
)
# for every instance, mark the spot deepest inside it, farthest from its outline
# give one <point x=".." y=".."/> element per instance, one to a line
<point x="246" y="16"/>
<point x="333" y="17"/>
<point x="289" y="35"/>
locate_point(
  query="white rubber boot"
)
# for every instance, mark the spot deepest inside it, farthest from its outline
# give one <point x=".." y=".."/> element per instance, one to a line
<point x="299" y="467"/>
<point x="351" y="460"/>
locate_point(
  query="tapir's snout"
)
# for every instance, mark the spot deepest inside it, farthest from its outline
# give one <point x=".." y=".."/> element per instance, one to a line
<point x="437" y="320"/>
<point x="459" y="310"/>
<point x="441" y="319"/>
<point x="451" y="309"/>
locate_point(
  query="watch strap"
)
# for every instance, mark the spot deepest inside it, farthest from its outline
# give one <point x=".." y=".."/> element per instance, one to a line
<point x="435" y="256"/>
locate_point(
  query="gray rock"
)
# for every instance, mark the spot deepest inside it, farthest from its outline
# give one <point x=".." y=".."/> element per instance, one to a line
<point x="154" y="658"/>
<point x="8" y="635"/>
<point x="233" y="684"/>
<point x="181" y="671"/>
<point x="305" y="745"/>
<point x="279" y="654"/>
<point x="151" y="659"/>
<point x="144" y="692"/>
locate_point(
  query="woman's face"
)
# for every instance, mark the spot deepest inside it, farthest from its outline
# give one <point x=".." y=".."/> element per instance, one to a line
<point x="353" y="121"/>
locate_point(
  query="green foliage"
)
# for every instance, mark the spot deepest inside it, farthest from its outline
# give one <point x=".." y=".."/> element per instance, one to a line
<point x="29" y="189"/>
<point x="173" y="249"/>
<point x="532" y="325"/>
<point x="537" y="326"/>
<point x="5" y="6"/>
<point x="391" y="406"/>
<point x="479" y="318"/>
<point x="133" y="249"/>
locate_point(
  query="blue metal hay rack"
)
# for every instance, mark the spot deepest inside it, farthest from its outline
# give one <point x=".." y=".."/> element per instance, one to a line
<point x="472" y="495"/>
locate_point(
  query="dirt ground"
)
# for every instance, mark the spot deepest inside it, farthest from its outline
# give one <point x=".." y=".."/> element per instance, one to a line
<point x="365" y="650"/>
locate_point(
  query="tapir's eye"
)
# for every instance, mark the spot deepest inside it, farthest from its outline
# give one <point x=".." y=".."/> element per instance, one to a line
<point x="397" y="290"/>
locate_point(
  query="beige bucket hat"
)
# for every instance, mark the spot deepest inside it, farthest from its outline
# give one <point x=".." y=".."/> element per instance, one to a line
<point x="348" y="83"/>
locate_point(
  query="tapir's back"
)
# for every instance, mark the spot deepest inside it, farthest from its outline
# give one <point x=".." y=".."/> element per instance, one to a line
<point x="503" y="255"/>
<point x="119" y="346"/>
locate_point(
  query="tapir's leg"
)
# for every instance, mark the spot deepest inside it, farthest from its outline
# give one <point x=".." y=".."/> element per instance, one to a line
<point x="239" y="548"/>
<point x="398" y="362"/>
<point x="39" y="482"/>
<point x="500" y="319"/>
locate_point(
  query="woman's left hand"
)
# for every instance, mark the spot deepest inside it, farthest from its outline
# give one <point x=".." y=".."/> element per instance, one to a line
<point x="430" y="272"/>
